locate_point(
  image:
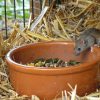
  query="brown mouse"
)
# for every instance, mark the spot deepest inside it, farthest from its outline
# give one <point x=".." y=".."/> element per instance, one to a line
<point x="87" y="39"/>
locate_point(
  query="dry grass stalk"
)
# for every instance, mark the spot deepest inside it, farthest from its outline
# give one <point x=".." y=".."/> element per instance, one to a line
<point x="29" y="22"/>
<point x="38" y="19"/>
<point x="37" y="36"/>
<point x="43" y="4"/>
<point x="62" y="26"/>
<point x="59" y="23"/>
<point x="34" y="97"/>
<point x="84" y="10"/>
<point x="51" y="7"/>
<point x="46" y="26"/>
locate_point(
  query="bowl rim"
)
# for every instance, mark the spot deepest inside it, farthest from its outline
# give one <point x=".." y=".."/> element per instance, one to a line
<point x="42" y="70"/>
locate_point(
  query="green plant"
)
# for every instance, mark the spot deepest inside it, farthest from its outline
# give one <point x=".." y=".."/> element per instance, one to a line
<point x="10" y="9"/>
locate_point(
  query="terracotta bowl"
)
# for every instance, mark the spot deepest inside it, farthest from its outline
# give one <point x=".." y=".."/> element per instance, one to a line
<point x="49" y="82"/>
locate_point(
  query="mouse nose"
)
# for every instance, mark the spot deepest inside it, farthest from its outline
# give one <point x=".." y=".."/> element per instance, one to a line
<point x="76" y="53"/>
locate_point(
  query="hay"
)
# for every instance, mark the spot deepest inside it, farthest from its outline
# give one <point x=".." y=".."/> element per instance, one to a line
<point x="60" y="23"/>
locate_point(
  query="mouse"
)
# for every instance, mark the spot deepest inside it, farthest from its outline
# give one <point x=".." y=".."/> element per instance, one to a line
<point x="86" y="40"/>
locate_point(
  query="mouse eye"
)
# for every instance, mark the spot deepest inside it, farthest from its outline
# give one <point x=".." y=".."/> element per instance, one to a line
<point x="79" y="49"/>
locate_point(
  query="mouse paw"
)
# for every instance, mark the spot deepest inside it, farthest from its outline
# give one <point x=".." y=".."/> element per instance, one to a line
<point x="98" y="45"/>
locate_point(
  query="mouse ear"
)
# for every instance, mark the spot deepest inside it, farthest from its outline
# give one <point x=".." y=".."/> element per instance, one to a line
<point x="82" y="41"/>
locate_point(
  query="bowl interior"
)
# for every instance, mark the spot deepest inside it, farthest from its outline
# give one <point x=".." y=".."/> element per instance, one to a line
<point x="62" y="50"/>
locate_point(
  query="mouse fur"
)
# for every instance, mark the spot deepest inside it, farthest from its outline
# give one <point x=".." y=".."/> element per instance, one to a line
<point x="87" y="39"/>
